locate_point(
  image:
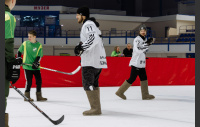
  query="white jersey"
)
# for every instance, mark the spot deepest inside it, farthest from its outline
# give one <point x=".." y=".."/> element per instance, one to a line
<point x="139" y="50"/>
<point x="94" y="53"/>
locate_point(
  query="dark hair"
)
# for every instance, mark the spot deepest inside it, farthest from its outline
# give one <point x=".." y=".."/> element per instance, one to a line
<point x="33" y="32"/>
<point x="84" y="11"/>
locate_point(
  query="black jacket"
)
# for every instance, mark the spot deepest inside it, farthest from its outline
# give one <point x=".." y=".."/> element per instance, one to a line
<point x="127" y="53"/>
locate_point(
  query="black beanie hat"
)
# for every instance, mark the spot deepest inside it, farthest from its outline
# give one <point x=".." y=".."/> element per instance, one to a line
<point x="84" y="11"/>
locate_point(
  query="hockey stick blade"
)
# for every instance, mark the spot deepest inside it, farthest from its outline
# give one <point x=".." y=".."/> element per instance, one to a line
<point x="54" y="122"/>
<point x="57" y="121"/>
<point x="74" y="72"/>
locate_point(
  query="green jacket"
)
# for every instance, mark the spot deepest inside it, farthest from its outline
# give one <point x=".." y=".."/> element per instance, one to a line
<point x="115" y="54"/>
<point x="10" y="24"/>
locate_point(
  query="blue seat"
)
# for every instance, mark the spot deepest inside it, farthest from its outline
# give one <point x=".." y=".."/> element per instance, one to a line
<point x="182" y="35"/>
<point x="193" y="39"/>
<point x="185" y="35"/>
<point x="187" y="39"/>
<point x="192" y="35"/>
<point x="182" y="39"/>
<point x="178" y="40"/>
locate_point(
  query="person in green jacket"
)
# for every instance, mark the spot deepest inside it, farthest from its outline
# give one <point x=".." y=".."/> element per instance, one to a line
<point x="12" y="64"/>
<point x="33" y="53"/>
<point x="116" y="52"/>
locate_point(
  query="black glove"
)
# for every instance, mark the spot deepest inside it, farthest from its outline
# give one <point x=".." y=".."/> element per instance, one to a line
<point x="149" y="41"/>
<point x="13" y="71"/>
<point x="19" y="60"/>
<point x="78" y="50"/>
<point x="35" y="65"/>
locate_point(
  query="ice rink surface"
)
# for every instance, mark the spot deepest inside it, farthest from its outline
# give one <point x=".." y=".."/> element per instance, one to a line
<point x="174" y="106"/>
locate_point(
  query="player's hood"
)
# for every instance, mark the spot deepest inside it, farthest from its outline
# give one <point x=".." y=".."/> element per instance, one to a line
<point x="143" y="37"/>
<point x="92" y="19"/>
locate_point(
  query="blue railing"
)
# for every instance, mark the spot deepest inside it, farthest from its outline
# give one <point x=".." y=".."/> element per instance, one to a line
<point x="76" y="33"/>
<point x="107" y="34"/>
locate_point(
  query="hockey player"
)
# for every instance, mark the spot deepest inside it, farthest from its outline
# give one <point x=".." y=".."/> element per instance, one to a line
<point x="12" y="64"/>
<point x="93" y="58"/>
<point x="32" y="55"/>
<point x="138" y="63"/>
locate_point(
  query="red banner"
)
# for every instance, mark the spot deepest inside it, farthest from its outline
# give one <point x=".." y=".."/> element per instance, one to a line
<point x="160" y="71"/>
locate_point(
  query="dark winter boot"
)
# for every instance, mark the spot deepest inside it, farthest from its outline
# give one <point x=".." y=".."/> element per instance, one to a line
<point x="122" y="89"/>
<point x="6" y="120"/>
<point x="27" y="94"/>
<point x="145" y="91"/>
<point x="39" y="97"/>
<point x="94" y="99"/>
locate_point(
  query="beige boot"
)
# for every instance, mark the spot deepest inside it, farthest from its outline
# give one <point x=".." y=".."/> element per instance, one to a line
<point x="39" y="97"/>
<point x="145" y="91"/>
<point x="122" y="89"/>
<point x="27" y="94"/>
<point x="6" y="120"/>
<point x="94" y="99"/>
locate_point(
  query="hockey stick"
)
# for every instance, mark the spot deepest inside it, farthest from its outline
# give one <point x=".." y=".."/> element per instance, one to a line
<point x="71" y="73"/>
<point x="54" y="122"/>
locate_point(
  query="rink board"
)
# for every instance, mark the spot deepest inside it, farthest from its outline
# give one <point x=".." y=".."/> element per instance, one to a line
<point x="160" y="71"/>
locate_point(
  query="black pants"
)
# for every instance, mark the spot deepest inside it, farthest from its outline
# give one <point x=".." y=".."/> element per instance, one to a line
<point x="135" y="72"/>
<point x="29" y="76"/>
<point x="90" y="78"/>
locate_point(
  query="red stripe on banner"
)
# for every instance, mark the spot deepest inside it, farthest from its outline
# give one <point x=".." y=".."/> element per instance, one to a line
<point x="160" y="71"/>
